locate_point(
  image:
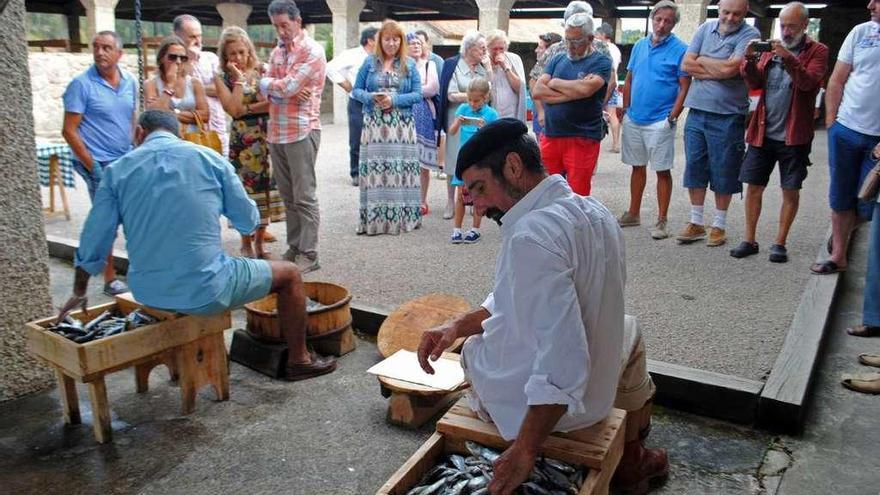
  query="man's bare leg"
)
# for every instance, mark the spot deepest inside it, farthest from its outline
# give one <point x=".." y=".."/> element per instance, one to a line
<point x="664" y="193"/>
<point x="637" y="181"/>
<point x="790" y="202"/>
<point x="754" y="203"/>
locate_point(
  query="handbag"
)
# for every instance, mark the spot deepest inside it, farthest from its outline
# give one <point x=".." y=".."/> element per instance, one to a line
<point x="204" y="136"/>
<point x="871" y="184"/>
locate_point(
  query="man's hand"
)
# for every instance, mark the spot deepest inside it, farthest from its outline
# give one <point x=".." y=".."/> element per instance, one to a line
<point x="70" y="305"/>
<point x="434" y="342"/>
<point x="511" y="470"/>
<point x="780" y="51"/>
<point x="304" y="94"/>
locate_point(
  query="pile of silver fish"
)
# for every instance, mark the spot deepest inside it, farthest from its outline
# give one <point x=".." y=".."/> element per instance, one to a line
<point x="106" y="324"/>
<point x="459" y="475"/>
<point x="312" y="305"/>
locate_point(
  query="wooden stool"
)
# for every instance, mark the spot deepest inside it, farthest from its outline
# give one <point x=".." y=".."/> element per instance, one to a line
<point x="55" y="180"/>
<point x="598" y="448"/>
<point x="411" y="404"/>
<point x="191" y="346"/>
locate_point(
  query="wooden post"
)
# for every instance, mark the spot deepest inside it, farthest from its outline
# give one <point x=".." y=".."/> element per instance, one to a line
<point x="100" y="411"/>
<point x="69" y="399"/>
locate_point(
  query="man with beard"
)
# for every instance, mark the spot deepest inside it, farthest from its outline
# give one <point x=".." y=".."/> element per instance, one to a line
<point x="573" y="89"/>
<point x="781" y="130"/>
<point x="548" y="349"/>
<point x="204" y="66"/>
<point x="719" y="101"/>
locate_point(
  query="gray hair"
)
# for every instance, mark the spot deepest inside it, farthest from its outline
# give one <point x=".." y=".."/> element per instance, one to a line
<point x="577" y="7"/>
<point x="496" y="35"/>
<point x="581" y="21"/>
<point x="801" y="8"/>
<point x="182" y="19"/>
<point x="278" y="7"/>
<point x="113" y="34"/>
<point x="154" y="120"/>
<point x="666" y="4"/>
<point x="470" y="39"/>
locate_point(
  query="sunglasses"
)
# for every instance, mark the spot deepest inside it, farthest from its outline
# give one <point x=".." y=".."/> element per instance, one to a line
<point x="175" y="57"/>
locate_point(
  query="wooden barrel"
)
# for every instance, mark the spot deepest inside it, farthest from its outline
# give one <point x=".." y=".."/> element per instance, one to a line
<point x="333" y="317"/>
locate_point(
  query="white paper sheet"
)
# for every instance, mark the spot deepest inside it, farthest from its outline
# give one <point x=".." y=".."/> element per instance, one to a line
<point x="404" y="365"/>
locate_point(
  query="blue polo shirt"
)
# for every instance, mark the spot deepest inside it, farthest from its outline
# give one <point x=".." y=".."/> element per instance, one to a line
<point x="724" y="96"/>
<point x="107" y="112"/>
<point x="655" y="71"/>
<point x="581" y="117"/>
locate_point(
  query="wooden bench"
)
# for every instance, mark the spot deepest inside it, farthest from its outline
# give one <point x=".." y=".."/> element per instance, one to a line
<point x="191" y="346"/>
<point x="598" y="448"/>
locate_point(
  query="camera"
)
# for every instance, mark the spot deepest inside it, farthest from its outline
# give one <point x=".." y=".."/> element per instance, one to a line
<point x="762" y="46"/>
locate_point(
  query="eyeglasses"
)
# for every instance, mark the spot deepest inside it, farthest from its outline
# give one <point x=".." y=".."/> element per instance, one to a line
<point x="175" y="57"/>
<point x="576" y="42"/>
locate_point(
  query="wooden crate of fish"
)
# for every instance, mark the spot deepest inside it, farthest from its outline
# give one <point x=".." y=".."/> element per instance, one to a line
<point x="457" y="458"/>
<point x="124" y="334"/>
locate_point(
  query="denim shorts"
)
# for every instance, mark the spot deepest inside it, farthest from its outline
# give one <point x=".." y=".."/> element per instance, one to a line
<point x="714" y="145"/>
<point x="849" y="159"/>
<point x="250" y="280"/>
<point x="93" y="178"/>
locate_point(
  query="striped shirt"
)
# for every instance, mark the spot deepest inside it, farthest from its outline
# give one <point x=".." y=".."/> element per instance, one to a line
<point x="290" y="71"/>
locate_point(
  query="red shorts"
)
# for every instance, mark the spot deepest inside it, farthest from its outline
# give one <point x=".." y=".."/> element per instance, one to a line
<point x="575" y="157"/>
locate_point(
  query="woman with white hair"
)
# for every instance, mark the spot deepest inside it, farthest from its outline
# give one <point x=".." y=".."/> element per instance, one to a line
<point x="507" y="78"/>
<point x="474" y="62"/>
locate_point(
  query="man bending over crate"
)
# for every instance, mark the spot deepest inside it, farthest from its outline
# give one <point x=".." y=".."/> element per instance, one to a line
<point x="547" y="350"/>
<point x="169" y="194"/>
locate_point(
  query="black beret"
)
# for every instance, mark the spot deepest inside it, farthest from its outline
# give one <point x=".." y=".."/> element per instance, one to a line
<point x="487" y="140"/>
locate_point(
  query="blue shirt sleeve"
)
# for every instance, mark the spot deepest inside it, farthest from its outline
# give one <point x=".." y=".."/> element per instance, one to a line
<point x="75" y="96"/>
<point x="360" y="92"/>
<point x="99" y="231"/>
<point x="603" y="68"/>
<point x="551" y="64"/>
<point x="462" y="107"/>
<point x="697" y="40"/>
<point x="237" y="206"/>
<point x="407" y="100"/>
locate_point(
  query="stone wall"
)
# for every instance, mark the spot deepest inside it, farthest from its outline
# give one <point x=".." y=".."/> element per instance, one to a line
<point x="24" y="271"/>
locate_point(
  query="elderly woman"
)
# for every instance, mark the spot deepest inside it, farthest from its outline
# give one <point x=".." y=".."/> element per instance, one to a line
<point x="236" y="87"/>
<point x="424" y="114"/>
<point x="173" y="89"/>
<point x="474" y="62"/>
<point x="508" y="78"/>
<point x="388" y="85"/>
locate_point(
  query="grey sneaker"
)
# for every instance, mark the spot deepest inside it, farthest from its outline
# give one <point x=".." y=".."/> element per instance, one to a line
<point x="306" y="263"/>
<point x="290" y="255"/>
<point x="659" y="230"/>
<point x="627" y="220"/>
<point x="115" y="287"/>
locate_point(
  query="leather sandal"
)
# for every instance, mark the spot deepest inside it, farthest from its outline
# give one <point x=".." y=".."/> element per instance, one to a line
<point x="826" y="267"/>
<point x="864" y="331"/>
<point x="867" y="383"/>
<point x="870" y="360"/>
<point x="317" y="367"/>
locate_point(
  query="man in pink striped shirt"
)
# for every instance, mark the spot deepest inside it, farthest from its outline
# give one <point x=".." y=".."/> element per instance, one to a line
<point x="293" y="87"/>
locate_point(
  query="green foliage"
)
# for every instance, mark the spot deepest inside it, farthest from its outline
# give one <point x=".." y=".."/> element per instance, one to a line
<point x="630" y="36"/>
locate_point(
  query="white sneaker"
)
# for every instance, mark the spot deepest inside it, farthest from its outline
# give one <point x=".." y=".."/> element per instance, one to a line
<point x="449" y="212"/>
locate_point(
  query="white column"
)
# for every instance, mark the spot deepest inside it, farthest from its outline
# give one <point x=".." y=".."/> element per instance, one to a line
<point x="693" y="13"/>
<point x="346" y="34"/>
<point x="101" y="15"/>
<point x="494" y="14"/>
<point x="234" y="14"/>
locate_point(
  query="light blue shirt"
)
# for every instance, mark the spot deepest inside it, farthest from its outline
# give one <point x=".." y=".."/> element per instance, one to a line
<point x="168" y="194"/>
<point x="724" y="96"/>
<point x="655" y="71"/>
<point x="107" y="112"/>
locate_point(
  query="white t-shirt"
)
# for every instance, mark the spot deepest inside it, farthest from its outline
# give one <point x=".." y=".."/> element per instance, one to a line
<point x="860" y="108"/>
<point x="615" y="55"/>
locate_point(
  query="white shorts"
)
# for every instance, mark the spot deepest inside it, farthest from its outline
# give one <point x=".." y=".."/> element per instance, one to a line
<point x="652" y="144"/>
<point x="615" y="100"/>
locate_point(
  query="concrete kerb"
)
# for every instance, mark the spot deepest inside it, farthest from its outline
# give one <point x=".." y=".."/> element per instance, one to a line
<point x="779" y="404"/>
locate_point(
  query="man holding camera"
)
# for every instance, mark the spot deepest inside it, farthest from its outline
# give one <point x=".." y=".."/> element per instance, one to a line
<point x="789" y="72"/>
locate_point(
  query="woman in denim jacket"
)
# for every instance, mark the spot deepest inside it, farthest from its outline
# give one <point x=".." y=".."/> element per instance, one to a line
<point x="388" y="85"/>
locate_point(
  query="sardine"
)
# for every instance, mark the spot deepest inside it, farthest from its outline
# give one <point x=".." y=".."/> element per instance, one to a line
<point x="482" y="451"/>
<point x="559" y="465"/>
<point x="531" y="488"/>
<point x="477" y="483"/>
<point x="435" y="488"/>
<point x="458" y="462"/>
<point x="458" y="487"/>
<point x="481" y="491"/>
<point x="92" y="324"/>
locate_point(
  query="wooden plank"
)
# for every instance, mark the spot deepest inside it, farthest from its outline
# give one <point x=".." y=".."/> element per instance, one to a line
<point x="65" y="249"/>
<point x="368" y="319"/>
<point x="57" y="350"/>
<point x="705" y="392"/>
<point x="101" y="421"/>
<point x="69" y="398"/>
<point x="414" y="411"/>
<point x="782" y="402"/>
<point x="415" y="467"/>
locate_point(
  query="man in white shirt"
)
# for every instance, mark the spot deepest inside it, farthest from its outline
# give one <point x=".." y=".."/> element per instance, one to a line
<point x="342" y="71"/>
<point x="546" y="349"/>
<point x="204" y="66"/>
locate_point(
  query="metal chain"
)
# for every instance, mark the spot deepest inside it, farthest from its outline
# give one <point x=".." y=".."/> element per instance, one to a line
<point x="139" y="39"/>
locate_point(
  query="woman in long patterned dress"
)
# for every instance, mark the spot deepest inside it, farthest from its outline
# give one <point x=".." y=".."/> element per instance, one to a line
<point x="425" y="114"/>
<point x="236" y="86"/>
<point x="388" y="85"/>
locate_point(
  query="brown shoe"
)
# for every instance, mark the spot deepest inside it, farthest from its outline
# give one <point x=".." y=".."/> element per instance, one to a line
<point x="640" y="469"/>
<point x="317" y="367"/>
<point x="717" y="237"/>
<point x="691" y="232"/>
<point x="627" y="220"/>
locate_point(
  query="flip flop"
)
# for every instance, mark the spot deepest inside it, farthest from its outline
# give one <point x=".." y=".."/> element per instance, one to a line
<point x="863" y="331"/>
<point x="867" y="383"/>
<point x="870" y="360"/>
<point x="826" y="267"/>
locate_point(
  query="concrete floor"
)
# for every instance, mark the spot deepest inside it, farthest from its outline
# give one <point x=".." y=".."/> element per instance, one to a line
<point x="689" y="299"/>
